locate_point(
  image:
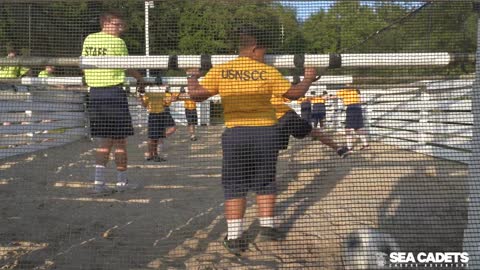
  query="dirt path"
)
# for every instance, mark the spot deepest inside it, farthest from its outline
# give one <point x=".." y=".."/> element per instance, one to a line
<point x="50" y="221"/>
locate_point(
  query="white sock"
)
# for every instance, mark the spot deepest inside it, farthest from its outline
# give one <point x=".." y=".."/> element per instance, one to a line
<point x="99" y="174"/>
<point x="266" y="222"/>
<point x="160" y="146"/>
<point x="363" y="138"/>
<point x="235" y="228"/>
<point x="121" y="176"/>
<point x="349" y="141"/>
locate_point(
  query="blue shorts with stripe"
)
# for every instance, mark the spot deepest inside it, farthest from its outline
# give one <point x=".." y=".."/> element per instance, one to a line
<point x="169" y="122"/>
<point x="354" y="117"/>
<point x="249" y="161"/>
<point x="192" y="118"/>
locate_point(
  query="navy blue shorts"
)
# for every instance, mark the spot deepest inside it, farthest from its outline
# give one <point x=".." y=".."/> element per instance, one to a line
<point x="192" y="118"/>
<point x="109" y="113"/>
<point x="306" y="111"/>
<point x="157" y="124"/>
<point x="292" y="124"/>
<point x="170" y="122"/>
<point x="354" y="117"/>
<point x="319" y="113"/>
<point x="249" y="161"/>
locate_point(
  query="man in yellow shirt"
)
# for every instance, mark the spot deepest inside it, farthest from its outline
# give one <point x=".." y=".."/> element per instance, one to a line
<point x="9" y="72"/>
<point x="354" y="117"/>
<point x="319" y="111"/>
<point x="110" y="118"/>
<point x="250" y="140"/>
<point x="157" y="123"/>
<point x="190" y="113"/>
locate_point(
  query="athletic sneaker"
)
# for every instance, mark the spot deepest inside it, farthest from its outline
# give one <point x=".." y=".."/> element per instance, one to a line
<point x="267" y="234"/>
<point x="193" y="138"/>
<point x="235" y="246"/>
<point x="102" y="189"/>
<point x="343" y="152"/>
<point x="124" y="186"/>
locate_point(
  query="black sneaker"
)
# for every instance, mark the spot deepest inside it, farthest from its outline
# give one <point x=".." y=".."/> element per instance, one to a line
<point x="158" y="159"/>
<point x="235" y="246"/>
<point x="193" y="138"/>
<point x="267" y="234"/>
<point x="343" y="152"/>
<point x="155" y="159"/>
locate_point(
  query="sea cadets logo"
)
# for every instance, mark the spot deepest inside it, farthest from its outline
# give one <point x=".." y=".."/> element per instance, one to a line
<point x="429" y="259"/>
<point x="244" y="75"/>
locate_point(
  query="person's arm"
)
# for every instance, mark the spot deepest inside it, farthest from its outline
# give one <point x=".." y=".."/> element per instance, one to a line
<point x="143" y="99"/>
<point x="140" y="81"/>
<point x="196" y="91"/>
<point x="175" y="97"/>
<point x="298" y="90"/>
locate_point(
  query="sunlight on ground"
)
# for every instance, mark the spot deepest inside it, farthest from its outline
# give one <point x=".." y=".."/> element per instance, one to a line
<point x="104" y="200"/>
<point x="90" y="185"/>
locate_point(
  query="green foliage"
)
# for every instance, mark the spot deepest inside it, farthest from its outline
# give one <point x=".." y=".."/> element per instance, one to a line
<point x="57" y="28"/>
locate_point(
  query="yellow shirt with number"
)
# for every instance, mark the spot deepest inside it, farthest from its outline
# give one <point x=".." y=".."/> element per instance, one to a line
<point x="103" y="44"/>
<point x="246" y="87"/>
<point x="154" y="102"/>
<point x="349" y="96"/>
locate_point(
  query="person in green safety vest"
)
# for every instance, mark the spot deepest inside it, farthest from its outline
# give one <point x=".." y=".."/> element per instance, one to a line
<point x="10" y="72"/>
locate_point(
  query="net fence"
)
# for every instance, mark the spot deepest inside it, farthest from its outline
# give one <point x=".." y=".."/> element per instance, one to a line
<point x="246" y="134"/>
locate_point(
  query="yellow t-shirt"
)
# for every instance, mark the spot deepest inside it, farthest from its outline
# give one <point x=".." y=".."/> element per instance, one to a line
<point x="103" y="44"/>
<point x="317" y="100"/>
<point x="168" y="99"/>
<point x="280" y="107"/>
<point x="189" y="104"/>
<point x="154" y="102"/>
<point x="13" y="72"/>
<point x="45" y="74"/>
<point x="349" y="96"/>
<point x="302" y="99"/>
<point x="246" y="87"/>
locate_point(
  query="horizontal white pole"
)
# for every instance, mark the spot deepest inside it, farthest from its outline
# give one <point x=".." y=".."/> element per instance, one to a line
<point x="220" y="59"/>
<point x="317" y="60"/>
<point x="189" y="61"/>
<point x="279" y="61"/>
<point x="395" y="59"/>
<point x="137" y="62"/>
<point x="178" y="81"/>
<point x="51" y="81"/>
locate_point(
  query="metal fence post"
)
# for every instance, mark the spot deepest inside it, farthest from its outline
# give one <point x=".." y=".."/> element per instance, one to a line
<point x="471" y="240"/>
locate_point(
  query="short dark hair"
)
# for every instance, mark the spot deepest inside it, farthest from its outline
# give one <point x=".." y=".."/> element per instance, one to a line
<point x="250" y="35"/>
<point x="109" y="15"/>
